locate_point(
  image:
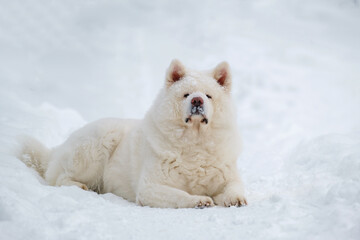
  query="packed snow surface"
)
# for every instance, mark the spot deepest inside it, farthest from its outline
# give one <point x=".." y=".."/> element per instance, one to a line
<point x="296" y="83"/>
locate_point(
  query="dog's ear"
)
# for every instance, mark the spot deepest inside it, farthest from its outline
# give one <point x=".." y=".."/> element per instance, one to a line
<point x="222" y="75"/>
<point x="175" y="72"/>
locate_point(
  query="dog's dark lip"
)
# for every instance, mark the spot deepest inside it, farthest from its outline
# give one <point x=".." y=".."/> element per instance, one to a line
<point x="204" y="120"/>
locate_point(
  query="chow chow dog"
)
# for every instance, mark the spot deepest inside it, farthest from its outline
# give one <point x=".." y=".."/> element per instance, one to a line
<point x="182" y="154"/>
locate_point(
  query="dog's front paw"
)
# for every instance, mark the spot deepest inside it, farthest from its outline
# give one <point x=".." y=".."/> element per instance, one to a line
<point x="230" y="199"/>
<point x="203" y="202"/>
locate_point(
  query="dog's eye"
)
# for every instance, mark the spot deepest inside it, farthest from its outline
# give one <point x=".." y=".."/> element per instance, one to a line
<point x="186" y="95"/>
<point x="208" y="96"/>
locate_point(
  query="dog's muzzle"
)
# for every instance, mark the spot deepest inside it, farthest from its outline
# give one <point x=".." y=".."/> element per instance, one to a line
<point x="197" y="109"/>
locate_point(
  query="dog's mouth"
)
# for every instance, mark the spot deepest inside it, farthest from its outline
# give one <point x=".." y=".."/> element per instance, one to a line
<point x="197" y="111"/>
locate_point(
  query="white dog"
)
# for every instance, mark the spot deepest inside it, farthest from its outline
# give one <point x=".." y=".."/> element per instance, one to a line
<point x="181" y="155"/>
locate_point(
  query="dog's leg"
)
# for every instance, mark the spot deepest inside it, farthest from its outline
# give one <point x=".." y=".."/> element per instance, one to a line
<point x="162" y="196"/>
<point x="232" y="195"/>
<point x="64" y="180"/>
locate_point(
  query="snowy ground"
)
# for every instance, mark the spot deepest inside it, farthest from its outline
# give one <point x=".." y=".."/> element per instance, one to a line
<point x="296" y="68"/>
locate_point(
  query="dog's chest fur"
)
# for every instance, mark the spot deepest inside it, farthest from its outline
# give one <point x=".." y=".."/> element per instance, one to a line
<point x="196" y="167"/>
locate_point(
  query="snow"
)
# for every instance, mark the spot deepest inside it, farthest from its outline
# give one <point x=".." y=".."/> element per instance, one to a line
<point x="296" y="83"/>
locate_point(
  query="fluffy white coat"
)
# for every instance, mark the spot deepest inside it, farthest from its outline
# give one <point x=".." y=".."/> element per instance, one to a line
<point x="171" y="158"/>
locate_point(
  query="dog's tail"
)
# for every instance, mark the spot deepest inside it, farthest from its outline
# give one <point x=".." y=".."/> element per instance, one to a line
<point x="33" y="153"/>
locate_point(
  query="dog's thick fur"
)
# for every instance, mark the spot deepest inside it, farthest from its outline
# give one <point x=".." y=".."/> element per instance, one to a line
<point x="175" y="157"/>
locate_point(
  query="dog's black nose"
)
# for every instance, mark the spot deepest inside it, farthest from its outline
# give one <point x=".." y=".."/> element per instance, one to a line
<point x="197" y="101"/>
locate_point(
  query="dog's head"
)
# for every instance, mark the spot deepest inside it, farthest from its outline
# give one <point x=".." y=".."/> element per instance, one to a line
<point x="192" y="98"/>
